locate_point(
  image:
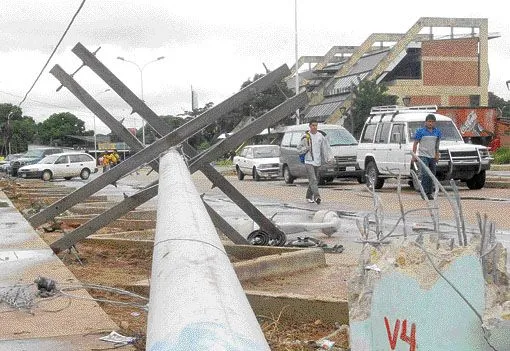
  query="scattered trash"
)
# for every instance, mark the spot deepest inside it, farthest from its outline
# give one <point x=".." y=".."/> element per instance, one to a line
<point x="118" y="339"/>
<point x="373" y="267"/>
<point x="312" y="242"/>
<point x="325" y="344"/>
<point x="46" y="287"/>
<point x="135" y="314"/>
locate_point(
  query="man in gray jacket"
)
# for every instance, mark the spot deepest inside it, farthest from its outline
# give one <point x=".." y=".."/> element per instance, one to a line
<point x="316" y="150"/>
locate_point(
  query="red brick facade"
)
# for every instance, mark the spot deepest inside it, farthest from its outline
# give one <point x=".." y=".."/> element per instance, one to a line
<point x="450" y="62"/>
<point x="458" y="101"/>
<point x="425" y="100"/>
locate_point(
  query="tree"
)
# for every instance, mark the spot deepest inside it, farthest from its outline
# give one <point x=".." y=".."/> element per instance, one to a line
<point x="259" y="105"/>
<point x="24" y="131"/>
<point x="56" y="128"/>
<point x="367" y="94"/>
<point x="496" y="101"/>
<point x="8" y="114"/>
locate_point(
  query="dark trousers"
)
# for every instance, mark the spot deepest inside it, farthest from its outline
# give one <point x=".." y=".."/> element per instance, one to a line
<point x="426" y="180"/>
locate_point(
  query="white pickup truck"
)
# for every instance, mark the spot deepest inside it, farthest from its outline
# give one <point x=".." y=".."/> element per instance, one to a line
<point x="386" y="143"/>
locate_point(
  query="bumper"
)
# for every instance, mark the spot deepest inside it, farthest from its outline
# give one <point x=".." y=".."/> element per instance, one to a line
<point x="340" y="171"/>
<point x="268" y="172"/>
<point x="464" y="170"/>
<point x="31" y="174"/>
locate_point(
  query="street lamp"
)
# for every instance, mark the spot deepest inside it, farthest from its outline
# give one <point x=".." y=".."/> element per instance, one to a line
<point x="141" y="84"/>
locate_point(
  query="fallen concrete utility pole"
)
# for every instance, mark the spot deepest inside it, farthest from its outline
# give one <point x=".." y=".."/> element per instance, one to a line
<point x="269" y="118"/>
<point x="196" y="300"/>
<point x="152" y="151"/>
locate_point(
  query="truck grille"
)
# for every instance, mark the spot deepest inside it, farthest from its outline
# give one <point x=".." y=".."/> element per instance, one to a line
<point x="342" y="160"/>
<point x="470" y="156"/>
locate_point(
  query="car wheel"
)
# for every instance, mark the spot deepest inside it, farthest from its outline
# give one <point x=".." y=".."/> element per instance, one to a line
<point x="477" y="181"/>
<point x="240" y="174"/>
<point x="68" y="178"/>
<point x="85" y="173"/>
<point x="46" y="175"/>
<point x="289" y="179"/>
<point x="362" y="179"/>
<point x="255" y="175"/>
<point x="372" y="176"/>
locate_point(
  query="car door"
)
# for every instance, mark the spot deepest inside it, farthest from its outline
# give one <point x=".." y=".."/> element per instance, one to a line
<point x="61" y="167"/>
<point x="397" y="160"/>
<point x="77" y="164"/>
<point x="247" y="160"/>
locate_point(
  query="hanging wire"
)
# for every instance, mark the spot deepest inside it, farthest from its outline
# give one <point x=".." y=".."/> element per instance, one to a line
<point x="53" y="52"/>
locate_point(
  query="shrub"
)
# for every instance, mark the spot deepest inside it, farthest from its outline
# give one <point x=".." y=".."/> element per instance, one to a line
<point x="502" y="155"/>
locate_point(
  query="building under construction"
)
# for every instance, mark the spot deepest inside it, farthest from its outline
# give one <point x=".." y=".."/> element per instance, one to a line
<point x="423" y="66"/>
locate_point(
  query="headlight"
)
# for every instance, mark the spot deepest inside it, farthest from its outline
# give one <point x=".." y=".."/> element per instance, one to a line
<point x="484" y="153"/>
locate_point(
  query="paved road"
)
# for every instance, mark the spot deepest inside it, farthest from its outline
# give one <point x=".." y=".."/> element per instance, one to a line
<point x="286" y="203"/>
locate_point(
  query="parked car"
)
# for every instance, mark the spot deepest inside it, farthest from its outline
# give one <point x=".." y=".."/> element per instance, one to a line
<point x="342" y="143"/>
<point x="31" y="157"/>
<point x="261" y="161"/>
<point x="386" y="142"/>
<point x="5" y="164"/>
<point x="61" y="165"/>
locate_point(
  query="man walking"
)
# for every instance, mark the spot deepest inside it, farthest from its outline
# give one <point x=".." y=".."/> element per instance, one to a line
<point x="427" y="138"/>
<point x="316" y="150"/>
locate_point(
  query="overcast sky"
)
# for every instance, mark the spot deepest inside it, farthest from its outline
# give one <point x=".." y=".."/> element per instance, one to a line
<point x="213" y="46"/>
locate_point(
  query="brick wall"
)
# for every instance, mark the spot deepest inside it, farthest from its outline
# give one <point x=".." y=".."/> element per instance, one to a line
<point x="450" y="62"/>
<point x="425" y="100"/>
<point x="458" y="101"/>
<point x="450" y="48"/>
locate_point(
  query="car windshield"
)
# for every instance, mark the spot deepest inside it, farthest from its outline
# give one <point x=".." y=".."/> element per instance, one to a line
<point x="338" y="137"/>
<point x="33" y="153"/>
<point x="448" y="130"/>
<point x="266" y="151"/>
<point x="49" y="159"/>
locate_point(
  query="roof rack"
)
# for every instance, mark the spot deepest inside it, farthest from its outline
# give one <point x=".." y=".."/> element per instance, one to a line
<point x="402" y="109"/>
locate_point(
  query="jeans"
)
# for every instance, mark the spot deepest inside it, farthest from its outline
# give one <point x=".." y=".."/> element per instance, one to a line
<point x="313" y="182"/>
<point x="426" y="181"/>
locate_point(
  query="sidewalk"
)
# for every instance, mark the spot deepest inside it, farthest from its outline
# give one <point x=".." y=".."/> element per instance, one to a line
<point x="29" y="322"/>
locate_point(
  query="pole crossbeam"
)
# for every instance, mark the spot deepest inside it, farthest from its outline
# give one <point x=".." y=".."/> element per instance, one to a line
<point x="151" y="152"/>
<point x="200" y="162"/>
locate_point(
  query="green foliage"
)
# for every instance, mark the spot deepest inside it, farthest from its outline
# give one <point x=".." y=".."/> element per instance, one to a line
<point x="366" y="95"/>
<point x="23" y="133"/>
<point x="56" y="128"/>
<point x="8" y="114"/>
<point x="223" y="162"/>
<point x="502" y="155"/>
<point x="501" y="104"/>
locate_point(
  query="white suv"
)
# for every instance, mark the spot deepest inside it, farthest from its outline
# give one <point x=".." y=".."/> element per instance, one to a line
<point x="62" y="165"/>
<point x="386" y="142"/>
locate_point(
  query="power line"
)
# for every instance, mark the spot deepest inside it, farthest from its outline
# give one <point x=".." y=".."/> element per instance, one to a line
<point x="54" y="50"/>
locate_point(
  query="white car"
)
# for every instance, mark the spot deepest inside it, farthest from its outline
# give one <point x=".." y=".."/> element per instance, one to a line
<point x="62" y="165"/>
<point x="261" y="161"/>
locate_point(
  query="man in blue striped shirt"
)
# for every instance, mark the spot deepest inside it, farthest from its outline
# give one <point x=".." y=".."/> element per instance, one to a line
<point x="427" y="138"/>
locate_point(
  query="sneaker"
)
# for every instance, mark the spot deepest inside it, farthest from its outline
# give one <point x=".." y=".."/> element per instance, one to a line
<point x="430" y="196"/>
<point x="318" y="200"/>
<point x="310" y="200"/>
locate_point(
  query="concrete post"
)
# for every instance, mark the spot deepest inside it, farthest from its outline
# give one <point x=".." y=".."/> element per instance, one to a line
<point x="196" y="300"/>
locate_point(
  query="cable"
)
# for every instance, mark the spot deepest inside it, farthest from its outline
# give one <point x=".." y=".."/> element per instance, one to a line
<point x="53" y="52"/>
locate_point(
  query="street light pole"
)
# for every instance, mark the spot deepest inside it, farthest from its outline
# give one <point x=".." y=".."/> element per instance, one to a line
<point x="140" y="69"/>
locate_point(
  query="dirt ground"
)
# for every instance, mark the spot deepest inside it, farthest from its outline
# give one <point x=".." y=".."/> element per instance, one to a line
<point x="113" y="265"/>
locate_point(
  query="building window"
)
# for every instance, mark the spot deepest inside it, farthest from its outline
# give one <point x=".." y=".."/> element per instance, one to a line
<point x="474" y="100"/>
